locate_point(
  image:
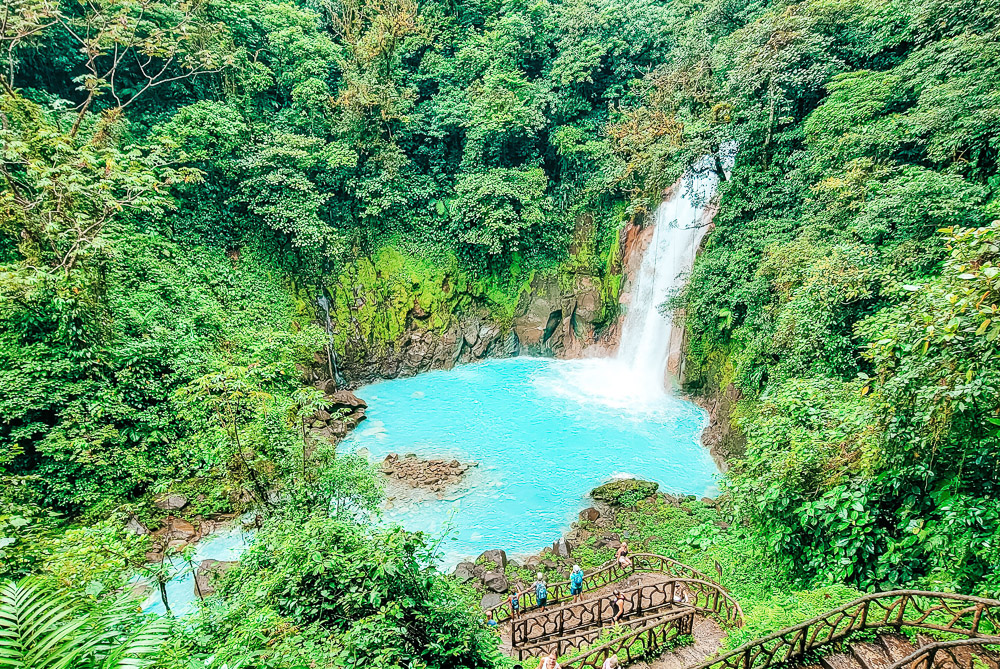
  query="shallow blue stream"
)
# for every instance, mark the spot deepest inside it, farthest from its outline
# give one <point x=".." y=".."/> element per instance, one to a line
<point x="545" y="432"/>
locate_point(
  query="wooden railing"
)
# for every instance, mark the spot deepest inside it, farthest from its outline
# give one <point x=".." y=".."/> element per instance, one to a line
<point x="590" y="613"/>
<point x="923" y="657"/>
<point x="689" y="595"/>
<point x="958" y="614"/>
<point x="600" y="577"/>
<point x="671" y="624"/>
<point x="638" y="644"/>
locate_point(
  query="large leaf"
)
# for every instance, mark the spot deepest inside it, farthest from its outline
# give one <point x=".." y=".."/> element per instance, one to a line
<point x="40" y="629"/>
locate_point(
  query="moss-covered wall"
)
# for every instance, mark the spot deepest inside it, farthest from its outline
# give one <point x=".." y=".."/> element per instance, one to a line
<point x="396" y="311"/>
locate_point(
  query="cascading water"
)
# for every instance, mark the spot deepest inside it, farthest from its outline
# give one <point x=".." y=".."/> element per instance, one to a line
<point x="648" y="338"/>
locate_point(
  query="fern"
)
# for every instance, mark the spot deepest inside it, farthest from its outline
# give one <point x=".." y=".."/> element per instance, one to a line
<point x="41" y="629"/>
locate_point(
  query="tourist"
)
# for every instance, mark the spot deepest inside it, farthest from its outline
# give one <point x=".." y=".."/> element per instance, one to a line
<point x="490" y="620"/>
<point x="541" y="590"/>
<point x="617" y="606"/>
<point x="624" y="561"/>
<point x="549" y="662"/>
<point x="576" y="583"/>
<point x="610" y="663"/>
<point x="515" y="603"/>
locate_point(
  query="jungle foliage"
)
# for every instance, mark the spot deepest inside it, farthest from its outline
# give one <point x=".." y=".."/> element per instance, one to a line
<point x="177" y="178"/>
<point x="849" y="292"/>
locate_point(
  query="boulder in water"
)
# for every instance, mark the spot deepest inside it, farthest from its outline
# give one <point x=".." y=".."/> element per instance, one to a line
<point x="178" y="528"/>
<point x="176" y="545"/>
<point x="624" y="492"/>
<point x="345" y="399"/>
<point x="590" y="514"/>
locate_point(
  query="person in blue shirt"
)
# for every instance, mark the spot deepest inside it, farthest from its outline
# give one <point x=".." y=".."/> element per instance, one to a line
<point x="576" y="583"/>
<point x="490" y="620"/>
<point x="541" y="590"/>
<point x="515" y="603"/>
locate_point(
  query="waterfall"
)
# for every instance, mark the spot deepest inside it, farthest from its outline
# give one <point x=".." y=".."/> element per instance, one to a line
<point x="331" y="351"/>
<point x="650" y="346"/>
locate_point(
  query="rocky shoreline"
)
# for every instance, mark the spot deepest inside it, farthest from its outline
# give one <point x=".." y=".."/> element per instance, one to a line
<point x="722" y="440"/>
<point x="496" y="575"/>
<point x="342" y="411"/>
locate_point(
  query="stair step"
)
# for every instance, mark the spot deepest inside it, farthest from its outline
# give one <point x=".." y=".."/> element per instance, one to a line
<point x="870" y="655"/>
<point x="840" y="661"/>
<point x="989" y="658"/>
<point x="688" y="655"/>
<point x="943" y="660"/>
<point x="896" y="646"/>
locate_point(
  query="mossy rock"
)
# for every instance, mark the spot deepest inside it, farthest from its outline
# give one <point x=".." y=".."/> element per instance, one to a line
<point x="625" y="492"/>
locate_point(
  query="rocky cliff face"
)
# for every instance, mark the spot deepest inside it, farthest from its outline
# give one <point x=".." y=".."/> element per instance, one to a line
<point x="463" y="338"/>
<point x="559" y="317"/>
<point x="575" y="312"/>
<point x="396" y="315"/>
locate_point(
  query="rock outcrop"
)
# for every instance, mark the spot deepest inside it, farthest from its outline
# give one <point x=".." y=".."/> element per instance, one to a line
<point x="465" y="572"/>
<point x="170" y="502"/>
<point x="559" y="315"/>
<point x="433" y="475"/>
<point x="624" y="492"/>
<point x="495" y="556"/>
<point x="342" y="412"/>
<point x="495" y="581"/>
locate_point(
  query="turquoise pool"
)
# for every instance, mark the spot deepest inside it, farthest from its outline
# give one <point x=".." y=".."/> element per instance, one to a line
<point x="544" y="432"/>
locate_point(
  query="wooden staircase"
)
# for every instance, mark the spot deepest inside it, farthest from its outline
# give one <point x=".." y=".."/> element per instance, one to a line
<point x="665" y="603"/>
<point x="668" y="603"/>
<point x="968" y="628"/>
<point x="889" y="650"/>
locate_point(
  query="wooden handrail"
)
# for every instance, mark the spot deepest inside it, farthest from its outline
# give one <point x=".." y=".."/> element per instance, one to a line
<point x="943" y="612"/>
<point x="709" y="599"/>
<point x="606" y="574"/>
<point x="635" y="645"/>
<point x="563" y="644"/>
<point x="588" y="613"/>
<point x="923" y="657"/>
<point x="704" y="597"/>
